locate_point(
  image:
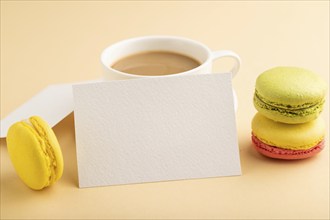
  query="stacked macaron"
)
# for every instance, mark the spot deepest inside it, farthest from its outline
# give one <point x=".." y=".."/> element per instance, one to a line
<point x="289" y="101"/>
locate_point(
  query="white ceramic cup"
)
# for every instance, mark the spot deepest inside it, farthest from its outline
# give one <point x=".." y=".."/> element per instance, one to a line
<point x="180" y="45"/>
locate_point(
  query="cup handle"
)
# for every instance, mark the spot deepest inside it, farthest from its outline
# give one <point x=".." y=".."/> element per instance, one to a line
<point x="227" y="53"/>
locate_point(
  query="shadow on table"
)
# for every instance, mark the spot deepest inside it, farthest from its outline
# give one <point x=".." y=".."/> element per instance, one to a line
<point x="65" y="133"/>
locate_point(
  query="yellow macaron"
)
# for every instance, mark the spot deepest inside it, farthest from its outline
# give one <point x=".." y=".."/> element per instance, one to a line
<point x="35" y="152"/>
<point x="287" y="141"/>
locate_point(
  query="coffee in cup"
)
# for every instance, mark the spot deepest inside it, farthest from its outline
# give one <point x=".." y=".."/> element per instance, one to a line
<point x="155" y="63"/>
<point x="165" y="46"/>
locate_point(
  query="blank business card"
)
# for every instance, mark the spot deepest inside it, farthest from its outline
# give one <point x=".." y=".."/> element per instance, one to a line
<point x="155" y="129"/>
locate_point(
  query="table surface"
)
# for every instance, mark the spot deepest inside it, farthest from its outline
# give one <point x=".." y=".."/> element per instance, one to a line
<point x="48" y="42"/>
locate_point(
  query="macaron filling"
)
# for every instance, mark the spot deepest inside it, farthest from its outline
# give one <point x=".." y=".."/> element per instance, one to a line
<point x="288" y="110"/>
<point x="46" y="149"/>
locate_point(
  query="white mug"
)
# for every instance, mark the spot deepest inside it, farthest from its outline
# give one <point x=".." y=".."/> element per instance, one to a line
<point x="180" y="45"/>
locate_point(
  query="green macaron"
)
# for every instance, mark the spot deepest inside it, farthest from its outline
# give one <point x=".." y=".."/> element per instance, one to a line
<point x="290" y="95"/>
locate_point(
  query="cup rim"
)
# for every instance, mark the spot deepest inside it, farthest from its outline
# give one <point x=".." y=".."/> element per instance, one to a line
<point x="160" y="37"/>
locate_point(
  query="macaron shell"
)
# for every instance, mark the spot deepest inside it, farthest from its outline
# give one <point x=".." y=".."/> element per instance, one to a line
<point x="49" y="137"/>
<point x="291" y="86"/>
<point x="285" y="154"/>
<point x="25" y="151"/>
<point x="288" y="136"/>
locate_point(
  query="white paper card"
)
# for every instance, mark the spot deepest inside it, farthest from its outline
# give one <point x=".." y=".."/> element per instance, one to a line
<point x="155" y="129"/>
